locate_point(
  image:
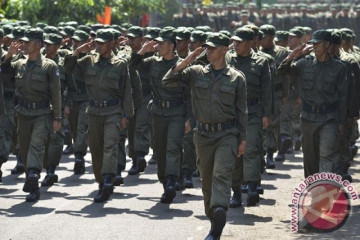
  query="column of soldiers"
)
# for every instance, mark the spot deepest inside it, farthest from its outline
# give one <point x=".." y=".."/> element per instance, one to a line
<point x="219" y="103"/>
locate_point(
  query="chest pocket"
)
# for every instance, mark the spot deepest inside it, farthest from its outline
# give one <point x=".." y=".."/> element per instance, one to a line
<point x="329" y="85"/>
<point x="19" y="78"/>
<point x="112" y="80"/>
<point x="38" y="82"/>
<point x="90" y="76"/>
<point x="308" y="77"/>
<point x="201" y="88"/>
<point x="227" y="94"/>
<point x="253" y="76"/>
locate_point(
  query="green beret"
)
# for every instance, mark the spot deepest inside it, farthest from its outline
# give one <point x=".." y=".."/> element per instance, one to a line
<point x="198" y="36"/>
<point x="152" y="32"/>
<point x="53" y="39"/>
<point x="281" y="35"/>
<point x="217" y="40"/>
<point x="336" y="36"/>
<point x="73" y="24"/>
<point x="182" y="34"/>
<point x="17" y="32"/>
<point x="33" y="34"/>
<point x="41" y="25"/>
<point x="80" y="36"/>
<point x="225" y="32"/>
<point x="296" y="32"/>
<point x="126" y="25"/>
<point x="7" y="29"/>
<point x="243" y="34"/>
<point x="104" y="35"/>
<point x="267" y="29"/>
<point x="320" y="36"/>
<point x="68" y="31"/>
<point x="135" y="31"/>
<point x="51" y="29"/>
<point x="166" y="34"/>
<point x="84" y="28"/>
<point x="1" y="33"/>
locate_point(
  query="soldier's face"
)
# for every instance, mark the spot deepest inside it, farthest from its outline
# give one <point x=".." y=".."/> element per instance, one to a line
<point x="242" y="48"/>
<point x="103" y="48"/>
<point x="195" y="45"/>
<point x="267" y="42"/>
<point x="321" y="48"/>
<point x="182" y="45"/>
<point x="135" y="43"/>
<point x="31" y="47"/>
<point x="215" y="53"/>
<point x="294" y="42"/>
<point x="165" y="48"/>
<point x="50" y="48"/>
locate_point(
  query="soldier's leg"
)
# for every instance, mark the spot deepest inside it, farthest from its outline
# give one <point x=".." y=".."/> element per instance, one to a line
<point x="54" y="147"/>
<point x="205" y="150"/>
<point x="142" y="131"/>
<point x="159" y="125"/>
<point x="285" y="129"/>
<point x="121" y="158"/>
<point x="272" y="134"/>
<point x="68" y="138"/>
<point x="189" y="159"/>
<point x="81" y="142"/>
<point x="175" y="139"/>
<point x="328" y="150"/>
<point x="6" y="125"/>
<point x="131" y="133"/>
<point x="96" y="144"/>
<point x="35" y="143"/>
<point x="110" y="156"/>
<point x="310" y="147"/>
<point x="253" y="157"/>
<point x="19" y="168"/>
<point x="139" y="162"/>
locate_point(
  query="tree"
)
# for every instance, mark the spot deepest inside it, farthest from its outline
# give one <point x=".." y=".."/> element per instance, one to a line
<point x="82" y="11"/>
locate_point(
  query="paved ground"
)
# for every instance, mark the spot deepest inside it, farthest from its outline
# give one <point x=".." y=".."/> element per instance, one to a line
<point x="67" y="211"/>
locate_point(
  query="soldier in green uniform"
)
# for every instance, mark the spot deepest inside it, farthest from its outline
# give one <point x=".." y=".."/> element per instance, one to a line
<point x="37" y="86"/>
<point x="323" y="90"/>
<point x="168" y="109"/>
<point x="75" y="107"/>
<point x="110" y="105"/>
<point x="280" y="91"/>
<point x="219" y="101"/>
<point x="55" y="141"/>
<point x="259" y="95"/>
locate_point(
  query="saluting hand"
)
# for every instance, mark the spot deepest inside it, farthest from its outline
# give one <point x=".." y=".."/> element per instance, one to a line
<point x="123" y="123"/>
<point x="14" y="48"/>
<point x="297" y="52"/>
<point x="148" y="47"/>
<point x="85" y="48"/>
<point x="187" y="126"/>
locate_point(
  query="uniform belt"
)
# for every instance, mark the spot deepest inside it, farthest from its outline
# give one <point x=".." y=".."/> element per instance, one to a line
<point x="252" y="101"/>
<point x="81" y="91"/>
<point x="278" y="87"/>
<point x="8" y="95"/>
<point x="34" y="105"/>
<point x="215" y="127"/>
<point x="319" y="110"/>
<point x="168" y="103"/>
<point x="104" y="103"/>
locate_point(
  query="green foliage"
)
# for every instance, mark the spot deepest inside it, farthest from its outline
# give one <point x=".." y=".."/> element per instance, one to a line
<point x="83" y="11"/>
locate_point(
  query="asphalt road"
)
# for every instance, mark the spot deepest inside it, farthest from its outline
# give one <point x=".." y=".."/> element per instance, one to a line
<point x="66" y="210"/>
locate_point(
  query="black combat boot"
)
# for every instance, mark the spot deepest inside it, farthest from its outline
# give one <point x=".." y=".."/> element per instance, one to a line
<point x="169" y="191"/>
<point x="50" y="177"/>
<point x="32" y="185"/>
<point x="253" y="196"/>
<point x="285" y="144"/>
<point x="270" y="161"/>
<point x="236" y="200"/>
<point x="79" y="166"/>
<point x="297" y="144"/>
<point x="188" y="182"/>
<point x="152" y="159"/>
<point x="133" y="170"/>
<point x="105" y="189"/>
<point x="179" y="184"/>
<point x="244" y="188"/>
<point x="19" y="168"/>
<point x="217" y="224"/>
<point x="196" y="173"/>
<point x="118" y="178"/>
<point x="68" y="150"/>
<point x="280" y="157"/>
<point x="141" y="163"/>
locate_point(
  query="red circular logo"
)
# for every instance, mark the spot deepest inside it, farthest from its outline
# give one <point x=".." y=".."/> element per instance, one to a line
<point x="325" y="206"/>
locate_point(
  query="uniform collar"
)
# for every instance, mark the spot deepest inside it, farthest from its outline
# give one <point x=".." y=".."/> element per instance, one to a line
<point x="110" y="60"/>
<point x="225" y="71"/>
